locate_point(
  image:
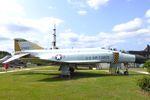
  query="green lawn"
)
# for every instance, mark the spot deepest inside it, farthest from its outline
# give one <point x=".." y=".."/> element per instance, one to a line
<point x="45" y="84"/>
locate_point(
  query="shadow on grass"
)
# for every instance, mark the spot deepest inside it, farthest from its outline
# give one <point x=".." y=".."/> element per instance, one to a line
<point x="35" y="73"/>
<point x="79" y="75"/>
<point x="55" y="76"/>
<point x="75" y="76"/>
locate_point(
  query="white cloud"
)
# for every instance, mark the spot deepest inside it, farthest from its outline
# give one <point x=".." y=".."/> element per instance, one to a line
<point x="71" y="39"/>
<point x="35" y="30"/>
<point x="76" y="40"/>
<point x="147" y="14"/>
<point x="86" y="4"/>
<point x="17" y="24"/>
<point x="13" y="24"/>
<point x="51" y="7"/>
<point x="11" y="7"/>
<point x="77" y="3"/>
<point x="148" y="20"/>
<point x="96" y="4"/>
<point x="6" y="45"/>
<point x="40" y="29"/>
<point x="129" y="26"/>
<point x="82" y="12"/>
<point x="147" y="39"/>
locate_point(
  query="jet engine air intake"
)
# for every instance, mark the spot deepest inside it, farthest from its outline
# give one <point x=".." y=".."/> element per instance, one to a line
<point x="115" y="57"/>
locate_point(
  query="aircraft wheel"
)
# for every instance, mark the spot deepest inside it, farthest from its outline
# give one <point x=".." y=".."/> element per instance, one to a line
<point x="126" y="73"/>
<point x="71" y="70"/>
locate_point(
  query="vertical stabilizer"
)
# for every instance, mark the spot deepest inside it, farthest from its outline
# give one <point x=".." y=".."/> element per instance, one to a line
<point x="22" y="44"/>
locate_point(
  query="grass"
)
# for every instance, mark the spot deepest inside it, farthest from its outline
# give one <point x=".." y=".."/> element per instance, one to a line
<point x="45" y="84"/>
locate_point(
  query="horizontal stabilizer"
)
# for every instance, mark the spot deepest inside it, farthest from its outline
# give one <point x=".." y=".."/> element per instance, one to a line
<point x="14" y="57"/>
<point x="4" y="58"/>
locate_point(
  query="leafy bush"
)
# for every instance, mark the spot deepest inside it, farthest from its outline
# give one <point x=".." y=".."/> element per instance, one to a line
<point x="144" y="83"/>
<point x="3" y="54"/>
<point x="147" y="65"/>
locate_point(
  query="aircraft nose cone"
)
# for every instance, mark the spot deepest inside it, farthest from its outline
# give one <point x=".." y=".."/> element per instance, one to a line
<point x="139" y="59"/>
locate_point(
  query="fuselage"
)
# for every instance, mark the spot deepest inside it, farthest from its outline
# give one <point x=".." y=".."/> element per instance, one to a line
<point x="94" y="55"/>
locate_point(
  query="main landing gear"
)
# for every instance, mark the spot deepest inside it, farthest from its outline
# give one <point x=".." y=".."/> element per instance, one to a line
<point x="67" y="70"/>
<point x="119" y="69"/>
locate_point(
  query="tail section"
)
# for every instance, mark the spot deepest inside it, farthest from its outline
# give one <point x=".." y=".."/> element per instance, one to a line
<point x="22" y="44"/>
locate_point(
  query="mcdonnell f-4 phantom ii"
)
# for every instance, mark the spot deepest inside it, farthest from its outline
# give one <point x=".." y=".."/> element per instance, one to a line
<point x="68" y="59"/>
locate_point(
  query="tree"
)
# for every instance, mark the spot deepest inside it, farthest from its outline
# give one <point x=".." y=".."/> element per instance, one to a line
<point x="144" y="83"/>
<point x="147" y="65"/>
<point x="3" y="54"/>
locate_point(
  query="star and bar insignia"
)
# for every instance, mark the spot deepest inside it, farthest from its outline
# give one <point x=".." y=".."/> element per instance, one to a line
<point x="58" y="57"/>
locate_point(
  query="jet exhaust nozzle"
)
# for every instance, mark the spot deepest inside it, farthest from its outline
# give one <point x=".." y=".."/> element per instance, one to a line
<point x="140" y="59"/>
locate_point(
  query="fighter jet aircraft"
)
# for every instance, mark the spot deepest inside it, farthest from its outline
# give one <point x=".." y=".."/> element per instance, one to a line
<point x="68" y="59"/>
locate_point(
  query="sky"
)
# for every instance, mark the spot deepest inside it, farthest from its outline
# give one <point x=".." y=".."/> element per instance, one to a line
<point x="121" y="24"/>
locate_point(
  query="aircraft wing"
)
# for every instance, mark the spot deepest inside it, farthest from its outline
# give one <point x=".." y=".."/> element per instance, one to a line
<point x="14" y="57"/>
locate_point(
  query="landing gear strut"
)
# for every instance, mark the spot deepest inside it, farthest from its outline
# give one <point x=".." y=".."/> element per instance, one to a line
<point x="71" y="69"/>
<point x="118" y="69"/>
<point x="67" y="70"/>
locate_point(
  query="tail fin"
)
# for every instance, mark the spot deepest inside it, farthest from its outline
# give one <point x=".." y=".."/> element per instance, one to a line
<point x="22" y="44"/>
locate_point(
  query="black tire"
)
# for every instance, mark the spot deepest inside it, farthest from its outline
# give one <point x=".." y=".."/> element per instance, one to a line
<point x="126" y="73"/>
<point x="71" y="70"/>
